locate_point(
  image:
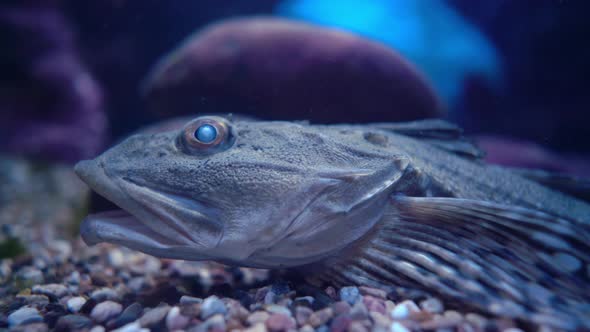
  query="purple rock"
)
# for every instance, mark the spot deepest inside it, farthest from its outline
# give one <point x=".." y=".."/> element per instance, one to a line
<point x="282" y="69"/>
<point x="50" y="106"/>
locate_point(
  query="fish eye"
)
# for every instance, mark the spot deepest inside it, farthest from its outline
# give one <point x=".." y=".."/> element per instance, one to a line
<point x="207" y="135"/>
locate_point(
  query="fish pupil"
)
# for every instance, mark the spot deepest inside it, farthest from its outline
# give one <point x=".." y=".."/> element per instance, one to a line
<point x="206" y="133"/>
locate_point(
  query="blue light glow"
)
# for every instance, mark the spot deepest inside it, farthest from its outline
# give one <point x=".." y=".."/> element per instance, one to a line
<point x="445" y="46"/>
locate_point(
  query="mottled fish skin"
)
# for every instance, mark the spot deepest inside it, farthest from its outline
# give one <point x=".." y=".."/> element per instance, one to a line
<point x="389" y="205"/>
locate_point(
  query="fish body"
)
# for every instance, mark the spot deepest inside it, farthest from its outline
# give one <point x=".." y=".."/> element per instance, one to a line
<point x="390" y="205"/>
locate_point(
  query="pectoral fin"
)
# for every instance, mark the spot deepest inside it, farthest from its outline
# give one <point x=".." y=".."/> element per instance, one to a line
<point x="504" y="260"/>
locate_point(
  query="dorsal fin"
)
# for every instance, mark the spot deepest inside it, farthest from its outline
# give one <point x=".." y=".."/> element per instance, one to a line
<point x="442" y="134"/>
<point x="566" y="183"/>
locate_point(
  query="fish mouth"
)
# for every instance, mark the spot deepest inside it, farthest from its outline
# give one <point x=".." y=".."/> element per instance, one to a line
<point x="145" y="221"/>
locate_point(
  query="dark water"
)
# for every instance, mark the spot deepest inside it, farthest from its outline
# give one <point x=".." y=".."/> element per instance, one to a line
<point x="78" y="76"/>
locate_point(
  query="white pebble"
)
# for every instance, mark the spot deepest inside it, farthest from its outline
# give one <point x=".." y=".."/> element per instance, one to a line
<point x="398" y="327"/>
<point x="404" y="309"/>
<point x="97" y="328"/>
<point x="132" y="327"/>
<point x="75" y="303"/>
<point x="175" y="320"/>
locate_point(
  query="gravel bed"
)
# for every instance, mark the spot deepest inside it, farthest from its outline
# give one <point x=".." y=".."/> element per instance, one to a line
<point x="68" y="286"/>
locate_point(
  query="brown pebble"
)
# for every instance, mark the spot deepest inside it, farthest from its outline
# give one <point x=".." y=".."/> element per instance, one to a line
<point x="478" y="321"/>
<point x="375" y="292"/>
<point x="321" y="317"/>
<point x="357" y="327"/>
<point x="280" y="322"/>
<point x="236" y="310"/>
<point x="258" y="327"/>
<point x="359" y="311"/>
<point x="380" y="319"/>
<point x="257" y="317"/>
<point x="340" y="323"/>
<point x="234" y="324"/>
<point x="341" y="307"/>
<point x="302" y="315"/>
<point x="448" y="320"/>
<point x="190" y="310"/>
<point x="374" y="304"/>
<point x="331" y="291"/>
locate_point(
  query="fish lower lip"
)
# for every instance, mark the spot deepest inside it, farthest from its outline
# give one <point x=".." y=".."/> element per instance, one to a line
<point x="120" y="227"/>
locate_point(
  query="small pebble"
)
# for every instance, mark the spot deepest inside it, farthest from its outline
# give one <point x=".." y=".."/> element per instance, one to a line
<point x="72" y="323"/>
<point x="321" y="317"/>
<point x="105" y="310"/>
<point x="258" y="327"/>
<point x="116" y="258"/>
<point x="404" y="309"/>
<point x="185" y="299"/>
<point x="130" y="314"/>
<point x="349" y="294"/>
<point x="51" y="290"/>
<point x="398" y="327"/>
<point x="213" y="324"/>
<point x="280" y="322"/>
<point x="236" y="310"/>
<point x="24" y="315"/>
<point x="257" y="317"/>
<point x="432" y="305"/>
<point x="341" y="323"/>
<point x="30" y="274"/>
<point x="450" y="319"/>
<point x="104" y="294"/>
<point x="323" y="328"/>
<point x="280" y="288"/>
<point x="374" y="304"/>
<point x="304" y="300"/>
<point x="306" y="328"/>
<point x="175" y="320"/>
<point x="212" y="306"/>
<point x="375" y="292"/>
<point x="277" y="309"/>
<point x="97" y="328"/>
<point x="302" y="315"/>
<point x="36" y="300"/>
<point x="380" y="319"/>
<point x="132" y="327"/>
<point x="74" y="304"/>
<point x="512" y="329"/>
<point x="154" y="316"/>
<point x="270" y="297"/>
<point x="73" y="278"/>
<point x="359" y="311"/>
<point x="341" y="307"/>
<point x="33" y="327"/>
<point x="359" y="327"/>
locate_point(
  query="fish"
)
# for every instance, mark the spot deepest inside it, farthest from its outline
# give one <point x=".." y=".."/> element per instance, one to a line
<point x="407" y="206"/>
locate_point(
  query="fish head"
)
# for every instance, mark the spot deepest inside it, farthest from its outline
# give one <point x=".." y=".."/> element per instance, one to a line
<point x="250" y="193"/>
